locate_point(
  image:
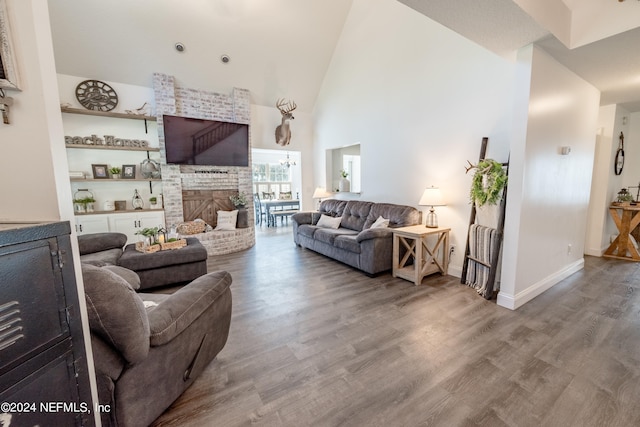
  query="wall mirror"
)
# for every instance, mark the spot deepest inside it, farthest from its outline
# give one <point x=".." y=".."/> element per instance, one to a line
<point x="344" y="159"/>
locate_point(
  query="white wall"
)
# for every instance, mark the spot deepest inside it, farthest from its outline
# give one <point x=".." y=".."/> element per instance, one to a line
<point x="264" y="121"/>
<point x="547" y="205"/>
<point x="418" y="98"/>
<point x="33" y="171"/>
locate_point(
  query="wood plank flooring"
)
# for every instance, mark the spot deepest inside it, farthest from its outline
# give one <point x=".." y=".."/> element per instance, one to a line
<point x="316" y="343"/>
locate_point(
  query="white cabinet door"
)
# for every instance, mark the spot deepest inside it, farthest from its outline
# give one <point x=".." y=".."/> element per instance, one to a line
<point x="126" y="223"/>
<point x="130" y="223"/>
<point x="151" y="219"/>
<point x="86" y="224"/>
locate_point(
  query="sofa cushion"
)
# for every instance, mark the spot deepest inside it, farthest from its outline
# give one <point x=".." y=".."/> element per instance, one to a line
<point x="97" y="242"/>
<point x="347" y="242"/>
<point x="116" y="313"/>
<point x="307" y="230"/>
<point x="328" y="235"/>
<point x="399" y="215"/>
<point x="131" y="277"/>
<point x="326" y="221"/>
<point x="99" y="259"/>
<point x="332" y="207"/>
<point x="355" y="215"/>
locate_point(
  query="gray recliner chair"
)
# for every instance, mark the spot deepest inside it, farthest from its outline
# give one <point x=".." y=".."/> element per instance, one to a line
<point x="148" y="348"/>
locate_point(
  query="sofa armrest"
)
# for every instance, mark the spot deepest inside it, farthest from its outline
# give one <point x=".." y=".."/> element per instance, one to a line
<point x="373" y="233"/>
<point x="98" y="242"/>
<point x="174" y="314"/>
<point x="303" y="218"/>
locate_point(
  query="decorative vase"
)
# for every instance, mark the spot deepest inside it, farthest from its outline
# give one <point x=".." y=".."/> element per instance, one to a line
<point x="115" y="176"/>
<point x="344" y="185"/>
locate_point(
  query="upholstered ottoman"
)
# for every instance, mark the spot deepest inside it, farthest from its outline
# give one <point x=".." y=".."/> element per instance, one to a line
<point x="168" y="267"/>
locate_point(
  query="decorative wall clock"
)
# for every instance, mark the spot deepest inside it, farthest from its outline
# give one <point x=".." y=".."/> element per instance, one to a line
<point x="619" y="162"/>
<point x="96" y="95"/>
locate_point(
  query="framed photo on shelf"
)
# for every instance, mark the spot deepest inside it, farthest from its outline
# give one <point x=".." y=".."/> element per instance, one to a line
<point x="128" y="171"/>
<point x="100" y="171"/>
<point x="8" y="69"/>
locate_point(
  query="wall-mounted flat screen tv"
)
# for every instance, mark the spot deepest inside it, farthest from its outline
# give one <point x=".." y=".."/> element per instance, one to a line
<point x="190" y="141"/>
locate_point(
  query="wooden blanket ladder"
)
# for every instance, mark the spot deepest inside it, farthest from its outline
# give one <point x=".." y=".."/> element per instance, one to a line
<point x="495" y="253"/>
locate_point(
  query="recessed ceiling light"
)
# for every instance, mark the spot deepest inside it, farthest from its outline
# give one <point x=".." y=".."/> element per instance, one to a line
<point x="225" y="59"/>
<point x="180" y="47"/>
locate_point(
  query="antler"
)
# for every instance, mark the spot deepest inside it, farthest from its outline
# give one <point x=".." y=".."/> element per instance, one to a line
<point x="471" y="166"/>
<point x="285" y="107"/>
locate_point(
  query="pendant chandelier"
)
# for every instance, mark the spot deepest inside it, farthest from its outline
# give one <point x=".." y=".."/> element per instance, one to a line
<point x="287" y="162"/>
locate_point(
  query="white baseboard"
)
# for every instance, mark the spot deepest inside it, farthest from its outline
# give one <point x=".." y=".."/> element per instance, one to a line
<point x="454" y="270"/>
<point x="512" y="302"/>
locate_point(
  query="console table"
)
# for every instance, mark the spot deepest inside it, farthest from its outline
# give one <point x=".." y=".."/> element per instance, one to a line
<point x="624" y="246"/>
<point x="428" y="257"/>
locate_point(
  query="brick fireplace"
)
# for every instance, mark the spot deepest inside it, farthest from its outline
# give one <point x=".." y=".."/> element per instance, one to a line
<point x="182" y="179"/>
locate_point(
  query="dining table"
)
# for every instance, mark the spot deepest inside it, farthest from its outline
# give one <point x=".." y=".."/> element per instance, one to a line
<point x="272" y="207"/>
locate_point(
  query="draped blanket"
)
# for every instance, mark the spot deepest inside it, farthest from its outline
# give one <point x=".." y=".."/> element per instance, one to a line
<point x="482" y="241"/>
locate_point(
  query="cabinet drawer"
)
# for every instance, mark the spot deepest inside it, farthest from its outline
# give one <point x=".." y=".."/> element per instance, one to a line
<point x="47" y="396"/>
<point x="32" y="305"/>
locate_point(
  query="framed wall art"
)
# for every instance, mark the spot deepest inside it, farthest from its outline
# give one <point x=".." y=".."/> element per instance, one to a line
<point x="100" y="171"/>
<point x="129" y="171"/>
<point x="8" y="69"/>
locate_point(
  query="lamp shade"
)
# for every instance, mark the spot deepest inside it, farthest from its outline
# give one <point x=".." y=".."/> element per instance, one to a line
<point x="320" y="193"/>
<point x="432" y="196"/>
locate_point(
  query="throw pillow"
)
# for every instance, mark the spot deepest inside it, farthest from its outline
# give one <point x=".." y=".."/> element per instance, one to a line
<point x="380" y="223"/>
<point x="327" y="221"/>
<point x="227" y="220"/>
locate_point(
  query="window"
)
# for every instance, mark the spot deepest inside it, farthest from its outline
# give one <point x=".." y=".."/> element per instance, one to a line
<point x="270" y="172"/>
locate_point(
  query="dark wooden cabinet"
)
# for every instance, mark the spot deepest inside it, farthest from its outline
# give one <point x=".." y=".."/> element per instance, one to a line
<point x="43" y="367"/>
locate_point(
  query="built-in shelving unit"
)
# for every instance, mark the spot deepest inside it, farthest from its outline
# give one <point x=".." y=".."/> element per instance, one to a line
<point x="126" y="221"/>
<point x="107" y="114"/>
<point x="112" y="147"/>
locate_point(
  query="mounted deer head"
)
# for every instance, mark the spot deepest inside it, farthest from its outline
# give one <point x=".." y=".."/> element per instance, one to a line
<point x="283" y="133"/>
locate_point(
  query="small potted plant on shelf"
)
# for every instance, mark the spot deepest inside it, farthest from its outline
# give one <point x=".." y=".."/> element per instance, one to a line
<point x="239" y="200"/>
<point x="153" y="200"/>
<point x="84" y="204"/>
<point x="115" y="172"/>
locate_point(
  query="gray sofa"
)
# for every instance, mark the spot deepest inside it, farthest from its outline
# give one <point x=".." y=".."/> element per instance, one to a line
<point x="354" y="243"/>
<point x="148" y="348"/>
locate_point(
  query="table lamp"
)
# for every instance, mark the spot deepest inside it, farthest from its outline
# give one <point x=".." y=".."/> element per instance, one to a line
<point x="320" y="193"/>
<point x="431" y="197"/>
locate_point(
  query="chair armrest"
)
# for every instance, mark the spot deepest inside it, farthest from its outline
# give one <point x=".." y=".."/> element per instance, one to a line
<point x="373" y="233"/>
<point x="174" y="314"/>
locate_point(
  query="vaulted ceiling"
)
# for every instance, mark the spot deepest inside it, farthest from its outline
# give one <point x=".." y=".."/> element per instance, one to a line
<point x="282" y="48"/>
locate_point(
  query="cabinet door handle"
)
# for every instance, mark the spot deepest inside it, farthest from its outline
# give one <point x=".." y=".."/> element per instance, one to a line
<point x="80" y="227"/>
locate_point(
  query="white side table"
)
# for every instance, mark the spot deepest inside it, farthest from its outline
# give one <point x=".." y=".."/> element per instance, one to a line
<point x="428" y="259"/>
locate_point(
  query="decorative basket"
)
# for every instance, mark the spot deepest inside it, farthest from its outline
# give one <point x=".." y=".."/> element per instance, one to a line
<point x="173" y="245"/>
<point x="192" y="227"/>
<point x="147" y="249"/>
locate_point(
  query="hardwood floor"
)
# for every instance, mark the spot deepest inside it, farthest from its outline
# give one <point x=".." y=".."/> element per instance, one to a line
<point x="316" y="343"/>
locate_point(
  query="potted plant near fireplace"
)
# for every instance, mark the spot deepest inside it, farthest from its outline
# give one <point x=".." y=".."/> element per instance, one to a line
<point x="239" y="200"/>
